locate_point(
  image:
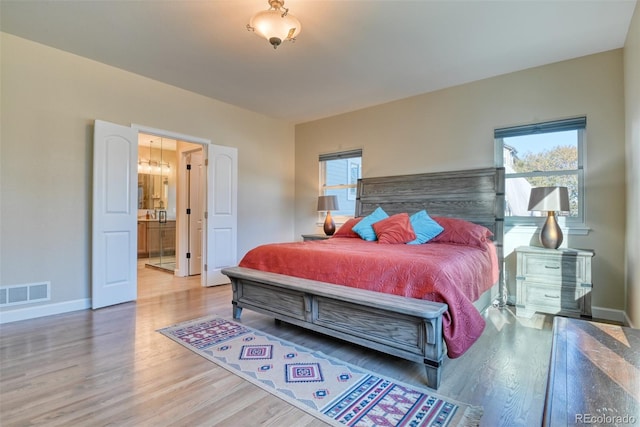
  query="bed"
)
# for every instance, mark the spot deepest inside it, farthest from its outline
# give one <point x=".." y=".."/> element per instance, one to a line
<point x="406" y="323"/>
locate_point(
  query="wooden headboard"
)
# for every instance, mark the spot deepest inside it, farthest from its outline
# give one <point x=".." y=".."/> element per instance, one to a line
<point x="475" y="195"/>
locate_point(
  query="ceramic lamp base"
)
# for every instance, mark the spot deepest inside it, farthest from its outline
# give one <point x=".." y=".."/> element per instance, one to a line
<point x="551" y="234"/>
<point x="329" y="225"/>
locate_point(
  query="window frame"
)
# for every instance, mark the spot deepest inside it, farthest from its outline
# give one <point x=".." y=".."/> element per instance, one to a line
<point x="578" y="124"/>
<point x="322" y="187"/>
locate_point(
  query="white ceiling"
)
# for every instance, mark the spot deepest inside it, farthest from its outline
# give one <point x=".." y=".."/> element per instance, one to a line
<point x="350" y="54"/>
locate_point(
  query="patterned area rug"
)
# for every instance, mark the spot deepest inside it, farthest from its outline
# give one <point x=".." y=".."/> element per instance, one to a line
<point x="329" y="389"/>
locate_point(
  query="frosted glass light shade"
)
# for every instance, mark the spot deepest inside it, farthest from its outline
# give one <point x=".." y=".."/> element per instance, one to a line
<point x="274" y="27"/>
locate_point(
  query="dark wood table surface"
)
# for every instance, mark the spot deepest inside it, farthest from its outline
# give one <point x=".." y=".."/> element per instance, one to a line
<point x="594" y="374"/>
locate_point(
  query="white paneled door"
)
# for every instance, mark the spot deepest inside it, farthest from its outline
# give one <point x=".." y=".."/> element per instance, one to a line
<point x="114" y="231"/>
<point x="222" y="216"/>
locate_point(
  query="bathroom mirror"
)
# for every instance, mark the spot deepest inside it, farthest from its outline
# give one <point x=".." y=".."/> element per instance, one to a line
<point x="153" y="191"/>
<point x="156" y="175"/>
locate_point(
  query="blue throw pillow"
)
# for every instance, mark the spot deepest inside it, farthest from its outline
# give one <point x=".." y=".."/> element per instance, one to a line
<point x="364" y="227"/>
<point x="425" y="227"/>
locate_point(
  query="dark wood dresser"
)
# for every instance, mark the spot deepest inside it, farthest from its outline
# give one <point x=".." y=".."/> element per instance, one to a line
<point x="594" y="374"/>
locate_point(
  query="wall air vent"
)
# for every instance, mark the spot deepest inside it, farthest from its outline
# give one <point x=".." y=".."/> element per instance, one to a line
<point x="24" y="294"/>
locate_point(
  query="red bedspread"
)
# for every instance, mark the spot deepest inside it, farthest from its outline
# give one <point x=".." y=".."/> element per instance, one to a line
<point x="454" y="274"/>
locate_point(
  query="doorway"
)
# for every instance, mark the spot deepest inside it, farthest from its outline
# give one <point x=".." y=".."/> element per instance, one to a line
<point x="157" y="166"/>
<point x="171" y="182"/>
<point x="115" y="211"/>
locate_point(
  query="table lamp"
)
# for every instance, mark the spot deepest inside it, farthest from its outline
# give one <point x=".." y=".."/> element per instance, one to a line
<point x="328" y="204"/>
<point x="550" y="200"/>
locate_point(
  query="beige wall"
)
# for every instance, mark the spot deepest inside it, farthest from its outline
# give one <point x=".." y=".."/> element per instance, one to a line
<point x="49" y="101"/>
<point x="632" y="110"/>
<point x="453" y="129"/>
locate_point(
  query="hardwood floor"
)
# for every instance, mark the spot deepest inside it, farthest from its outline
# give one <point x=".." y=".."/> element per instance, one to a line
<point x="111" y="367"/>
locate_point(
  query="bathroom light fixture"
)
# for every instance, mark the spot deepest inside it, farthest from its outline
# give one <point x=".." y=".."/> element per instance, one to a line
<point x="275" y="24"/>
<point x="153" y="167"/>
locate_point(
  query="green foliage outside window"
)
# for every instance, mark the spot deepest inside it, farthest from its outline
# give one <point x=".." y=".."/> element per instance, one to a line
<point x="559" y="158"/>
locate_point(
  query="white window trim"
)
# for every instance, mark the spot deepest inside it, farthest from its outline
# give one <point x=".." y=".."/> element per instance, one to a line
<point x="573" y="226"/>
<point x="337" y="219"/>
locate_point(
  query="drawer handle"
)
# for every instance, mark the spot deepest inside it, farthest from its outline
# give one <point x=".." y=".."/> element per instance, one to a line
<point x="552" y="267"/>
<point x="551" y="296"/>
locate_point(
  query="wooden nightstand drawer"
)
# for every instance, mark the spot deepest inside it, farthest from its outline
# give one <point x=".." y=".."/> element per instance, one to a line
<point x="563" y="269"/>
<point x="554" y="298"/>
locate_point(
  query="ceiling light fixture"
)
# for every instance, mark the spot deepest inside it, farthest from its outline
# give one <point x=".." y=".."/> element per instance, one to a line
<point x="275" y="24"/>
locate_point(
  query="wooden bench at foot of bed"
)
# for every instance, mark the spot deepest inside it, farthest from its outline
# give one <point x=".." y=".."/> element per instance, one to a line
<point x="405" y="327"/>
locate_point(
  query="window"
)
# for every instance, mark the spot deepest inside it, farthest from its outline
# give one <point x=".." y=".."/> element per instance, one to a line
<point x="541" y="155"/>
<point x="339" y="174"/>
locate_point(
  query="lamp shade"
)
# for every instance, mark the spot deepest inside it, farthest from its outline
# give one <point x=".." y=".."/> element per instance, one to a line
<point x="327" y="203"/>
<point x="549" y="199"/>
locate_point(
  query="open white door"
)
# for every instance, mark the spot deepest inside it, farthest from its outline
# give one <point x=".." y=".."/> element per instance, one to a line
<point x="114" y="232"/>
<point x="222" y="216"/>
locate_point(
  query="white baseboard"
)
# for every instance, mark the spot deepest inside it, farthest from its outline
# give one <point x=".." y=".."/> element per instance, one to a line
<point x="596" y="313"/>
<point x="628" y="321"/>
<point x="8" y="316"/>
<point x="608" y="314"/>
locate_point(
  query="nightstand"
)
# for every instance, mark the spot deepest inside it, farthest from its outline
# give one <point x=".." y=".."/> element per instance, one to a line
<point x="308" y="237"/>
<point x="555" y="281"/>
